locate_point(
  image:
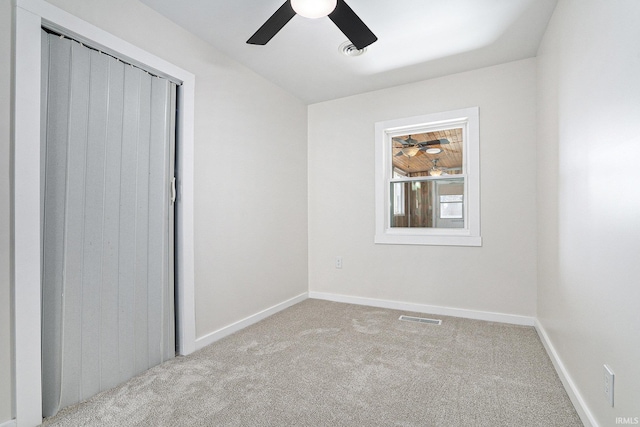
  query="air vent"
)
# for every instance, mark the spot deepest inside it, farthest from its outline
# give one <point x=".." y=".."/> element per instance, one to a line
<point x="421" y="320"/>
<point x="349" y="49"/>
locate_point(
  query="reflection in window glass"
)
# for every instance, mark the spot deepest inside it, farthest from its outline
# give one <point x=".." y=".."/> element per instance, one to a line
<point x="451" y="206"/>
<point x="437" y="153"/>
<point x="427" y="182"/>
<point x="398" y="194"/>
<point x="422" y="204"/>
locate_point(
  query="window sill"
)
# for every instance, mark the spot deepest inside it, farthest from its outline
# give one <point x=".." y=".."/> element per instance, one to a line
<point x="430" y="240"/>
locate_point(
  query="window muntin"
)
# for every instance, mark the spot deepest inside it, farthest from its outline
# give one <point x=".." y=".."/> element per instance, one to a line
<point x="427" y="186"/>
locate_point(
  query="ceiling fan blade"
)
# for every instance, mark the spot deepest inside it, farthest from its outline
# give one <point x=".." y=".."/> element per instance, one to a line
<point x="273" y="25"/>
<point x="433" y="142"/>
<point x="352" y="26"/>
<point x="409" y="142"/>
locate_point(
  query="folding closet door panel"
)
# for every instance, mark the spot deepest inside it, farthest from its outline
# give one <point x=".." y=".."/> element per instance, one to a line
<point x="92" y="245"/>
<point x="110" y="311"/>
<point x="55" y="222"/>
<point x="55" y="119"/>
<point x="162" y="131"/>
<point x="44" y="88"/>
<point x="108" y="263"/>
<point x="133" y="215"/>
<point x="71" y="391"/>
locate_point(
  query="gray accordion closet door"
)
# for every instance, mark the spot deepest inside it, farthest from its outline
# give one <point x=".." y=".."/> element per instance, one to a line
<point x="108" y="158"/>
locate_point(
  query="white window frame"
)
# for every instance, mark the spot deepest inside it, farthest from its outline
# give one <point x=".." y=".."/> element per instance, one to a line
<point x="468" y="119"/>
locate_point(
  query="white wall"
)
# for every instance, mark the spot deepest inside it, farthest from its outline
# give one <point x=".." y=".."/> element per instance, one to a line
<point x="498" y="277"/>
<point x="250" y="173"/>
<point x="5" y="191"/>
<point x="250" y="156"/>
<point x="251" y="169"/>
<point x="589" y="198"/>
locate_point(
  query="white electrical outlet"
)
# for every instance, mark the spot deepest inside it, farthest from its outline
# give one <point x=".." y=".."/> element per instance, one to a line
<point x="609" y="377"/>
<point x="338" y="262"/>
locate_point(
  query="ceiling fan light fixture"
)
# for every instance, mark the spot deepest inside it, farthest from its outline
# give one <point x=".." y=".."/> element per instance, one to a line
<point x="435" y="170"/>
<point x="410" y="151"/>
<point x="338" y="12"/>
<point x="314" y="8"/>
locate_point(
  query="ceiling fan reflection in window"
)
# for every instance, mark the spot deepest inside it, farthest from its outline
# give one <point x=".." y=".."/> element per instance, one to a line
<point x="411" y="146"/>
<point x="337" y="10"/>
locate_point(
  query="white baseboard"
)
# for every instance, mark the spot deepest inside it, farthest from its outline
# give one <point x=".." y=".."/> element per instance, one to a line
<point x="248" y="321"/>
<point x="396" y="305"/>
<point x="576" y="398"/>
<point x="423" y="308"/>
<point x="10" y="423"/>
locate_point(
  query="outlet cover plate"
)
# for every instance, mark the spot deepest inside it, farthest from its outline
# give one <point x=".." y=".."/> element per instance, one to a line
<point x="609" y="377"/>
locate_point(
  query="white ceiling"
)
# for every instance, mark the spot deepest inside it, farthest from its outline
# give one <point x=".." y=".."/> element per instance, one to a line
<point x="417" y="40"/>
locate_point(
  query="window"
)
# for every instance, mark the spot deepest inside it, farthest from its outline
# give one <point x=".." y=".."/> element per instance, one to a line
<point x="398" y="193"/>
<point x="451" y="206"/>
<point x="427" y="186"/>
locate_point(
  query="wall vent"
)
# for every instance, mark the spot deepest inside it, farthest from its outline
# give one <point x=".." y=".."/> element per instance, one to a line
<point x="421" y="320"/>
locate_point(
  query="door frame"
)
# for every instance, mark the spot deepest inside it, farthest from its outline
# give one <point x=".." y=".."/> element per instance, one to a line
<point x="29" y="16"/>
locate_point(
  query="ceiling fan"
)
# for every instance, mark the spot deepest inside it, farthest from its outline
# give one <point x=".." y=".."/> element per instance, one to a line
<point x="337" y="10"/>
<point x="411" y="146"/>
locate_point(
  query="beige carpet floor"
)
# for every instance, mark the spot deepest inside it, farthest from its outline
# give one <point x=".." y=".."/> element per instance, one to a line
<point x="321" y="363"/>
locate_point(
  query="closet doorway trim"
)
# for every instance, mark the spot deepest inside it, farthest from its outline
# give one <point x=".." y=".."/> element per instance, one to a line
<point x="29" y="17"/>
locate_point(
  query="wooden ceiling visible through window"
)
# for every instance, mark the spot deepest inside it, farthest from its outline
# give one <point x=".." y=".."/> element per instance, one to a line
<point x="450" y="159"/>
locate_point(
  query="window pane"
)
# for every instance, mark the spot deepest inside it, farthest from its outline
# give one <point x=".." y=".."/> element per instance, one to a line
<point x="427" y="204"/>
<point x="451" y="198"/>
<point x="436" y="153"/>
<point x="450" y="210"/>
<point x="398" y="199"/>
